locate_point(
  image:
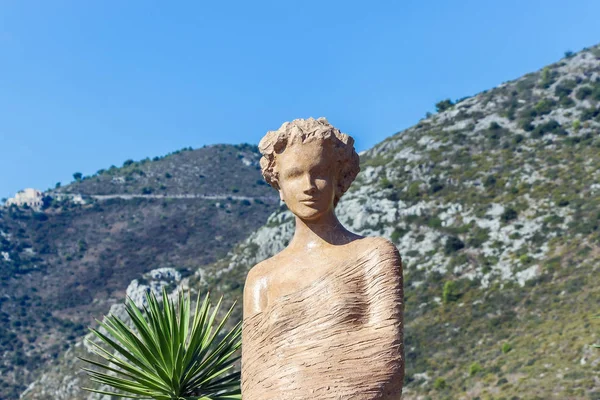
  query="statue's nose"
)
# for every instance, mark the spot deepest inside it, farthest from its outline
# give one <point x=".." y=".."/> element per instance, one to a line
<point x="310" y="187"/>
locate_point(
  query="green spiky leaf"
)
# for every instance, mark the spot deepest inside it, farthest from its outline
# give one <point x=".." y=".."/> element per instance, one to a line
<point x="168" y="353"/>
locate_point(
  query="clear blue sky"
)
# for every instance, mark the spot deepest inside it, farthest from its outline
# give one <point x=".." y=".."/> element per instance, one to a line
<point x="87" y="84"/>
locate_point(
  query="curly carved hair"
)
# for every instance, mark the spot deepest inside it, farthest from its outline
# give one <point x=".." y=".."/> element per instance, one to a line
<point x="307" y="130"/>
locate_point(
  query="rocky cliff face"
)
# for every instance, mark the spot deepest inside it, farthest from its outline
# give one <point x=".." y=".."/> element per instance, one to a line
<point x="494" y="204"/>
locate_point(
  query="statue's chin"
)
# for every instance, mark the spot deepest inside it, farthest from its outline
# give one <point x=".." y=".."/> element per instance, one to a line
<point x="308" y="213"/>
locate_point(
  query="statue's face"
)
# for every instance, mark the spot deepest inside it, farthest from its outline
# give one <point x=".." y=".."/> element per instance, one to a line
<point x="307" y="179"/>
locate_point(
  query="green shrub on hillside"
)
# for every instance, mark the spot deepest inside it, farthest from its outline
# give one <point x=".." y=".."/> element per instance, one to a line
<point x="544" y="106"/>
<point x="398" y="233"/>
<point x="509" y="214"/>
<point x="452" y="245"/>
<point x="565" y="87"/>
<point x="385" y="183"/>
<point x="414" y="190"/>
<point x="589" y="92"/>
<point x="589" y="113"/>
<point x="548" y="77"/>
<point x="551" y="126"/>
<point x="526" y="259"/>
<point x="439" y="383"/>
<point x="583" y="92"/>
<point x="435" y="185"/>
<point x="490" y="181"/>
<point x="450" y="292"/>
<point x="443" y="105"/>
<point x="478" y="237"/>
<point x="518" y="138"/>
<point x="566" y="102"/>
<point x="475" y="368"/>
<point x="526" y="124"/>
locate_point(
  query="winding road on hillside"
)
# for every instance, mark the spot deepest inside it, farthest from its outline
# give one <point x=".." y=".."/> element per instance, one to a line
<point x="168" y="196"/>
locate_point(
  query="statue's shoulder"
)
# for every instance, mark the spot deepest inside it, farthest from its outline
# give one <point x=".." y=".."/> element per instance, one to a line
<point x="384" y="252"/>
<point x="386" y="262"/>
<point x="382" y="245"/>
<point x="261" y="272"/>
<point x="265" y="267"/>
<point x="256" y="287"/>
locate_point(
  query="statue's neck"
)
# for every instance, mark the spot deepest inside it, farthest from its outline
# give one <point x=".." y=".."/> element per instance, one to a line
<point x="326" y="231"/>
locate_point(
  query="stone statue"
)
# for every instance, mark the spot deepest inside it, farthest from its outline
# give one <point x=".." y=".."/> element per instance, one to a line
<point x="322" y="318"/>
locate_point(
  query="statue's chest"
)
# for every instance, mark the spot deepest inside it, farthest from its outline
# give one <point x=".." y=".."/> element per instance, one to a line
<point x="336" y="297"/>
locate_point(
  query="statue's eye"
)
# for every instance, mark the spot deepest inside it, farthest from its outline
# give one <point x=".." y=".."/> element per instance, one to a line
<point x="292" y="173"/>
<point x="319" y="171"/>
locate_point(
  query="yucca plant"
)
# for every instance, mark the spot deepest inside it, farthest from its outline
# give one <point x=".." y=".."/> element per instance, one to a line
<point x="173" y="355"/>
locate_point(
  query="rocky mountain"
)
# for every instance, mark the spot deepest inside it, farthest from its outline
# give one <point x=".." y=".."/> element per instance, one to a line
<point x="494" y="204"/>
<point x="64" y="263"/>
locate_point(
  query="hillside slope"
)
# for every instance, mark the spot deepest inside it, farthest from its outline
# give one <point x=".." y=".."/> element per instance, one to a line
<point x="66" y="264"/>
<point x="494" y="204"/>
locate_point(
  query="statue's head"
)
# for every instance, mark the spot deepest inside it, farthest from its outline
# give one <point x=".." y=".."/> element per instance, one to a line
<point x="310" y="163"/>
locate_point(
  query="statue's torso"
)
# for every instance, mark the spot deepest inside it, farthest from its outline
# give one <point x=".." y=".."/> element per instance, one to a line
<point x="317" y="337"/>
